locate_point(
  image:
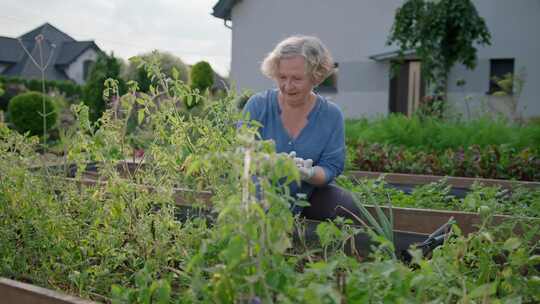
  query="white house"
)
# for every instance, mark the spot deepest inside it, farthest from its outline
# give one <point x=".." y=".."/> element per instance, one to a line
<point x="356" y="32"/>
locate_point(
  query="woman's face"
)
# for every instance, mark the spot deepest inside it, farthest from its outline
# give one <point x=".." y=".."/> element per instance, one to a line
<point x="294" y="84"/>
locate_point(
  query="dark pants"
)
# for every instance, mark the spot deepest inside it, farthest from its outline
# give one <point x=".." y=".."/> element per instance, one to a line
<point x="329" y="202"/>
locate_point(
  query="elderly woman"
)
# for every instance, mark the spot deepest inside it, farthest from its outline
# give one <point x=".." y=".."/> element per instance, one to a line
<point x="304" y="124"/>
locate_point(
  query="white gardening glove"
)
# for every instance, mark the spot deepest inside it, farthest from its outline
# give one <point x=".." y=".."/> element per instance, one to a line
<point x="305" y="166"/>
<point x="307" y="171"/>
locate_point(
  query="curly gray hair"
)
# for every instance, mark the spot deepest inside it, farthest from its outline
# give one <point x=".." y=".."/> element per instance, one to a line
<point x="319" y="62"/>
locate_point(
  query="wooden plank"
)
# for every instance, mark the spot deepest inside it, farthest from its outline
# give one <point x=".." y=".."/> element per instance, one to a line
<point x="415" y="220"/>
<point x="182" y="196"/>
<point x="456" y="182"/>
<point x="22" y="293"/>
<point x="363" y="243"/>
<point x="428" y="220"/>
<point x="396" y="178"/>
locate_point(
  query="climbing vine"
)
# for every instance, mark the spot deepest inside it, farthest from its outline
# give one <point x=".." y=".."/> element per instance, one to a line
<point x="442" y="33"/>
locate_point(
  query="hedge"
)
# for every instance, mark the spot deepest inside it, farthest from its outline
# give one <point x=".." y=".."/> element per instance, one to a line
<point x="15" y="85"/>
<point x="25" y="110"/>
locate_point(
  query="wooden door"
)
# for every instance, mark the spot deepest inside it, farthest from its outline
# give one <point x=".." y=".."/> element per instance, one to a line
<point x="406" y="88"/>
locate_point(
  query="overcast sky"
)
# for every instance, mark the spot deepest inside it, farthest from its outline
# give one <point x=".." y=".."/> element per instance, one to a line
<point x="185" y="28"/>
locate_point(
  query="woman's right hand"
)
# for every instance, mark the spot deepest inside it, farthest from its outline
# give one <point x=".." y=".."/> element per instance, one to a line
<point x="305" y="166"/>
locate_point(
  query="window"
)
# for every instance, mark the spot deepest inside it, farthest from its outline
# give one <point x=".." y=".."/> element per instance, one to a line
<point x="499" y="69"/>
<point x="87" y="67"/>
<point x="330" y="83"/>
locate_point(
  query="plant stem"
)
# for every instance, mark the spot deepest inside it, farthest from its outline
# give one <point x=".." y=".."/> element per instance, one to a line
<point x="245" y="178"/>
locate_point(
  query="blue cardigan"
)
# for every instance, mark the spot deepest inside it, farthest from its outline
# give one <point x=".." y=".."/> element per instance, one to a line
<point x="322" y="139"/>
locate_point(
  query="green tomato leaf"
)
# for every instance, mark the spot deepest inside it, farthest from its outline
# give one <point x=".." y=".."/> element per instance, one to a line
<point x="140" y="116"/>
<point x="483" y="290"/>
<point x="161" y="291"/>
<point x="140" y="101"/>
<point x="235" y="251"/>
<point x="535" y="259"/>
<point x="500" y="93"/>
<point x="175" y="73"/>
<point x="512" y="244"/>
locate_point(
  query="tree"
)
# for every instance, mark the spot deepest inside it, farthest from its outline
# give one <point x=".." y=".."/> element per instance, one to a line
<point x="105" y="67"/>
<point x="442" y="32"/>
<point x="201" y="76"/>
<point x="167" y="62"/>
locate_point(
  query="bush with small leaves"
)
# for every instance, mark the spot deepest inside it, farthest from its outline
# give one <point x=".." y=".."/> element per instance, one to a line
<point x="69" y="89"/>
<point x="167" y="63"/>
<point x="202" y="76"/>
<point x="25" y="112"/>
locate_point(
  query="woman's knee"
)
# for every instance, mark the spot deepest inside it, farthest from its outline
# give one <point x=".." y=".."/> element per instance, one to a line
<point x="329" y="202"/>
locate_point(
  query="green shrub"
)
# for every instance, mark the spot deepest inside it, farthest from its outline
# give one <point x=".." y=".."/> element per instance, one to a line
<point x="10" y="90"/>
<point x="24" y="112"/>
<point x="34" y="85"/>
<point x="15" y="85"/>
<point x="104" y="68"/>
<point x="202" y="76"/>
<point x="68" y="88"/>
<point x="167" y="62"/>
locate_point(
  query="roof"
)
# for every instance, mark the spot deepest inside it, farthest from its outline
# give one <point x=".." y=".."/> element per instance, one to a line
<point x="49" y="31"/>
<point x="71" y="50"/>
<point x="10" y="50"/>
<point x="393" y="54"/>
<point x="223" y="8"/>
<point x="57" y="47"/>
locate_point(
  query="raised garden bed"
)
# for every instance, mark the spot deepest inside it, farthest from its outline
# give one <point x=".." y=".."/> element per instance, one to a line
<point x="399" y="179"/>
<point x="18" y="292"/>
<point x="423" y="221"/>
<point x="409" y="224"/>
<point x="457" y="182"/>
<point x="12" y="292"/>
<point x="460" y="185"/>
<point x="414" y="220"/>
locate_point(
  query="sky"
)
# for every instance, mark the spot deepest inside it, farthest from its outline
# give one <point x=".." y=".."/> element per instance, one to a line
<point x="184" y="28"/>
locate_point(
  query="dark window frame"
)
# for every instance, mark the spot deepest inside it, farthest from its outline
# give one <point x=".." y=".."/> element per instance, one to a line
<point x="87" y="67"/>
<point x="499" y="67"/>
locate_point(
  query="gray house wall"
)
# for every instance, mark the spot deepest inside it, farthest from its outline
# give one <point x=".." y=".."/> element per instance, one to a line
<point x="514" y="27"/>
<point x="351" y="29"/>
<point x="354" y="30"/>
